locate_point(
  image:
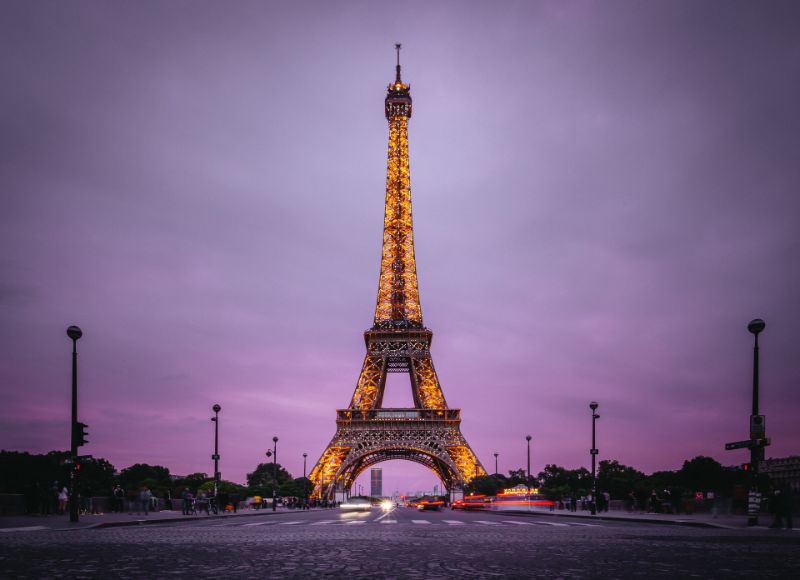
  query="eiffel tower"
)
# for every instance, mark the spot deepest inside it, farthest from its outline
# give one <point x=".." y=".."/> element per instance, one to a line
<point x="398" y="342"/>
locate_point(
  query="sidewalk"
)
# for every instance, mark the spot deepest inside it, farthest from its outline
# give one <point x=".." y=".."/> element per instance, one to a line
<point x="702" y="520"/>
<point x="30" y="523"/>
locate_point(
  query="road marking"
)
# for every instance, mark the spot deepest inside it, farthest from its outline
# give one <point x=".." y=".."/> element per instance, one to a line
<point x="324" y="522"/>
<point x="587" y="525"/>
<point x="551" y="524"/>
<point x="23" y="529"/>
<point x="485" y="523"/>
<point x="289" y="523"/>
<point x="518" y="523"/>
<point x="379" y="518"/>
<point x="420" y="521"/>
<point x="388" y="522"/>
<point x="258" y="524"/>
<point x="454" y="522"/>
<point x="354" y="522"/>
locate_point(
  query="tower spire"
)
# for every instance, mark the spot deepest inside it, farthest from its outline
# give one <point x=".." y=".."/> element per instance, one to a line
<point x="397" y="47"/>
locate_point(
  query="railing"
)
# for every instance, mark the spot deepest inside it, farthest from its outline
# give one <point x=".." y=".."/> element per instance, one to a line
<point x="399" y="415"/>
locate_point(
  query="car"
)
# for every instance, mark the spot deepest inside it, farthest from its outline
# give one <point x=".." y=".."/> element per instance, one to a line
<point x="356" y="504"/>
<point x="425" y="505"/>
<point x="471" y="502"/>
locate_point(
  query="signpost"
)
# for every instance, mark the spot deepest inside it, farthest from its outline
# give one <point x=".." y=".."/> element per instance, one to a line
<point x="748" y="444"/>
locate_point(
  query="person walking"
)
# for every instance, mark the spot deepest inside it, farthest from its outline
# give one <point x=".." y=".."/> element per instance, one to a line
<point x="118" y="499"/>
<point x="145" y="495"/>
<point x="787" y="506"/>
<point x="63" y="499"/>
<point x="186" y="498"/>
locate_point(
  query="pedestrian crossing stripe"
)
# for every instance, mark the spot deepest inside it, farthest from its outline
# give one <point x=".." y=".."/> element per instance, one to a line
<point x="289" y="523"/>
<point x="551" y="524"/>
<point x="258" y="524"/>
<point x="582" y="524"/>
<point x="454" y="522"/>
<point x="323" y="522"/>
<point x="488" y="523"/>
<point x="518" y="523"/>
<point x="355" y="522"/>
<point x="421" y="521"/>
<point x="387" y="522"/>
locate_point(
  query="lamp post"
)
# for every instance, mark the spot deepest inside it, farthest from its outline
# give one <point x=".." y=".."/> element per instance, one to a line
<point x="757" y="427"/>
<point x="593" y="451"/>
<point x="74" y="333"/>
<point x="274" y="471"/>
<point x="495" y="462"/>
<point x="216" y="408"/>
<point x="528" y="480"/>
<point x="305" y="498"/>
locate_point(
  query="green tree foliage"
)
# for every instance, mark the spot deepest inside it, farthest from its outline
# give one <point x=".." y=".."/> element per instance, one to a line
<point x="558" y="481"/>
<point x="193" y="481"/>
<point x="225" y="486"/>
<point x="32" y="474"/>
<point x="487" y="484"/>
<point x="138" y="475"/>
<point x="259" y="482"/>
<point x="702" y="474"/>
<point x="618" y="479"/>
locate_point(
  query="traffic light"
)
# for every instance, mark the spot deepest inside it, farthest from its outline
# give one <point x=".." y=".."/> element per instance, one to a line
<point x="80" y="434"/>
<point x="745" y="467"/>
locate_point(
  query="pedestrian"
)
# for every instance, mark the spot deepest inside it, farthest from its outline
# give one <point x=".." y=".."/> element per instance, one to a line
<point x="234" y="499"/>
<point x="118" y="499"/>
<point x="63" y="498"/>
<point x="606" y="500"/>
<point x="145" y="495"/>
<point x="655" y="502"/>
<point x="186" y="498"/>
<point x="168" y="500"/>
<point x="787" y="503"/>
<point x="776" y="507"/>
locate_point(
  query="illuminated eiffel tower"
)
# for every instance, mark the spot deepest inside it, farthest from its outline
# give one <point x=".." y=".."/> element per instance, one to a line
<point x="366" y="432"/>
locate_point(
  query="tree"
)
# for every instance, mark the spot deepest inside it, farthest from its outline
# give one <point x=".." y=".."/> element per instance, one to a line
<point x="558" y="481"/>
<point x="137" y="475"/>
<point x="259" y="482"/>
<point x="193" y="481"/>
<point x="702" y="474"/>
<point x="485" y="485"/>
<point x="618" y="479"/>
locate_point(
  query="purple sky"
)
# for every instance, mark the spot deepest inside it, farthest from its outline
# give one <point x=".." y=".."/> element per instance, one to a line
<point x="604" y="195"/>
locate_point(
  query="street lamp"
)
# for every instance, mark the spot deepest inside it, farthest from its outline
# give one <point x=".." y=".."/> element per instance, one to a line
<point x="757" y="426"/>
<point x="593" y="451"/>
<point x="495" y="462"/>
<point x="528" y="480"/>
<point x="305" y="498"/>
<point x="215" y="457"/>
<point x="74" y="333"/>
<point x="274" y="470"/>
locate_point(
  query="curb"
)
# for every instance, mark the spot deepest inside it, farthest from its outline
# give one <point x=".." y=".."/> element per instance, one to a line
<point x="103" y="525"/>
<point x="687" y="523"/>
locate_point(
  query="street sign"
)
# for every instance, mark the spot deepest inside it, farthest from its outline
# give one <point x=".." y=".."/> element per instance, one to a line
<point x="749" y="444"/>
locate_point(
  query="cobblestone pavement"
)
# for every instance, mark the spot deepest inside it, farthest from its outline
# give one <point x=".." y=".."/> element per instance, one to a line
<point x="403" y="543"/>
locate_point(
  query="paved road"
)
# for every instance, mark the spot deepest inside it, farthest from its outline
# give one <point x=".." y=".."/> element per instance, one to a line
<point x="403" y="543"/>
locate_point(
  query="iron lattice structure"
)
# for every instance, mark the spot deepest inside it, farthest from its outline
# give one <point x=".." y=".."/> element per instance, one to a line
<point x="367" y="433"/>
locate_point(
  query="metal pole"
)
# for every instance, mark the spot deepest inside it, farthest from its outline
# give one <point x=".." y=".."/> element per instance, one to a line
<point x="74" y="509"/>
<point x="593" y="406"/>
<point x="73" y="477"/>
<point x="274" y="471"/>
<point x="528" y="479"/>
<point x="495" y="462"/>
<point x="216" y="409"/>
<point x="756" y="451"/>
<point x="305" y="498"/>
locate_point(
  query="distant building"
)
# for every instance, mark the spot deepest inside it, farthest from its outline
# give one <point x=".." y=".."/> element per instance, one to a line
<point x="783" y="471"/>
<point x="376" y="482"/>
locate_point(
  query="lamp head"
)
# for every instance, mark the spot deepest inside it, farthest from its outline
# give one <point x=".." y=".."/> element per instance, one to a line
<point x="216" y="408"/>
<point x="756" y="325"/>
<point x="269" y="453"/>
<point x="593" y="406"/>
<point x="305" y="455"/>
<point x="528" y="437"/>
<point x="74" y="332"/>
<point x="274" y="439"/>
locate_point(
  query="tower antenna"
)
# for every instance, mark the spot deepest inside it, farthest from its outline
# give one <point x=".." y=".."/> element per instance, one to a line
<point x="397" y="47"/>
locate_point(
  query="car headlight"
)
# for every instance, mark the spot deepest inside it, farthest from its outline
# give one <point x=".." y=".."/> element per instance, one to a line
<point x="386" y="505"/>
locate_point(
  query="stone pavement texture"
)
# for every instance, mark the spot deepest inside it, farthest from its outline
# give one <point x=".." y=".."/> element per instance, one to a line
<point x="403" y="543"/>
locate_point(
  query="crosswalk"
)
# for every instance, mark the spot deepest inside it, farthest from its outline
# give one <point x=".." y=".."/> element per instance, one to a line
<point x="415" y="522"/>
